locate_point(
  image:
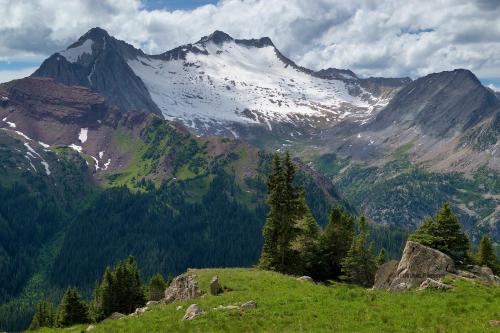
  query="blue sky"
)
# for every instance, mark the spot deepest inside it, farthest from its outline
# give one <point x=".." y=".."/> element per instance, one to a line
<point x="390" y="38"/>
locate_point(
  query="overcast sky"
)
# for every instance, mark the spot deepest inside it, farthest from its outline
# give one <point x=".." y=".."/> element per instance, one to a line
<point x="370" y="37"/>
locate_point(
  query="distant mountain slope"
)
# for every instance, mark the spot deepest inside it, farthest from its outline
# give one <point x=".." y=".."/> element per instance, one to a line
<point x="219" y="83"/>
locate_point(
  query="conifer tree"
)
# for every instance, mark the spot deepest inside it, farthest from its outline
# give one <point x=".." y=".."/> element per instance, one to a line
<point x="156" y="287"/>
<point x="444" y="234"/>
<point x="335" y="242"/>
<point x="359" y="264"/>
<point x="486" y="255"/>
<point x="381" y="257"/>
<point x="72" y="310"/>
<point x="306" y="244"/>
<point x="286" y="205"/>
<point x="44" y="316"/>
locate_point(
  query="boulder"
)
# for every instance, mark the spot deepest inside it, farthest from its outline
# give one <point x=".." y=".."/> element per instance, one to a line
<point x="248" y="305"/>
<point x="90" y="328"/>
<point x="418" y="263"/>
<point x="485" y="274"/>
<point x="183" y="287"/>
<point x="385" y="274"/>
<point x="149" y="303"/>
<point x="305" y="278"/>
<point x="215" y="287"/>
<point x="433" y="284"/>
<point x="192" y="312"/>
<point x="115" y="316"/>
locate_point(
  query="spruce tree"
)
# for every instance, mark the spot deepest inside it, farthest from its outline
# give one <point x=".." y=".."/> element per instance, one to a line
<point x="44" y="316"/>
<point x="306" y="245"/>
<point x="359" y="265"/>
<point x="156" y="287"/>
<point x="486" y="255"/>
<point x="334" y="243"/>
<point x="444" y="234"/>
<point x="72" y="310"/>
<point x="286" y="207"/>
<point x="381" y="257"/>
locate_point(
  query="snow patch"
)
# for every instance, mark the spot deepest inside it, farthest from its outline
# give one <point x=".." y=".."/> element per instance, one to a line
<point x="44" y="145"/>
<point x="47" y="169"/>
<point x="73" y="54"/>
<point x="12" y="125"/>
<point x="101" y="154"/>
<point x="23" y="135"/>
<point x="96" y="162"/>
<point x="83" y="135"/>
<point x="107" y="164"/>
<point x="75" y="147"/>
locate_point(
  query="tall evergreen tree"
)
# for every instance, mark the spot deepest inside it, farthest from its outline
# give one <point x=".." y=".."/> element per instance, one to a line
<point x="44" y="315"/>
<point x="286" y="207"/>
<point x="72" y="310"/>
<point x="444" y="234"/>
<point x="335" y="242"/>
<point x="306" y="244"/>
<point x="359" y="265"/>
<point x="156" y="287"/>
<point x="486" y="254"/>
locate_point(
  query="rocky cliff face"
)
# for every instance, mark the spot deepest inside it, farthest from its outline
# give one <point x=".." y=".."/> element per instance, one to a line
<point x="99" y="62"/>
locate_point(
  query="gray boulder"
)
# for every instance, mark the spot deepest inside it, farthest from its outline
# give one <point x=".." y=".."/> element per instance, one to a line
<point x="385" y="274"/>
<point x="192" y="312"/>
<point x="115" y="316"/>
<point x="183" y="287"/>
<point x="484" y="274"/>
<point x="433" y="284"/>
<point x="305" y="278"/>
<point x="215" y="287"/>
<point x="248" y="305"/>
<point x="418" y="263"/>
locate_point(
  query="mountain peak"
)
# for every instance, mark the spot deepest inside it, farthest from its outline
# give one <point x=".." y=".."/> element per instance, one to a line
<point x="95" y="33"/>
<point x="218" y="37"/>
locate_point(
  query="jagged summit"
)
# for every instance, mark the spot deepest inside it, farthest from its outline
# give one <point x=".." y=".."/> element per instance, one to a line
<point x="218" y="37"/>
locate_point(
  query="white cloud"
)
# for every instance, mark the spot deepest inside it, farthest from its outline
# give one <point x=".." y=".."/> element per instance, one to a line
<point x="388" y="38"/>
<point x="8" y="75"/>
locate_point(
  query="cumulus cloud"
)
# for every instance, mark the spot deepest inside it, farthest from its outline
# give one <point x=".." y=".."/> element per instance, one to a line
<point x="380" y="38"/>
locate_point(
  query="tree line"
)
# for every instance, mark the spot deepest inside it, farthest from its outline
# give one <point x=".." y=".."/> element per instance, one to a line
<point x="120" y="290"/>
<point x="294" y="243"/>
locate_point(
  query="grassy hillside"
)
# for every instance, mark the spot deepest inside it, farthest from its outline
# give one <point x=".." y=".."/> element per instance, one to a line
<point x="287" y="305"/>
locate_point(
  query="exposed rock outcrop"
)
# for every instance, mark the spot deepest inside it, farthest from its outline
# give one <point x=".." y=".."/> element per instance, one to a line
<point x="433" y="284"/>
<point x="417" y="264"/>
<point x="215" y="287"/>
<point x="248" y="305"/>
<point x="385" y="274"/>
<point x="183" y="287"/>
<point x="192" y="312"/>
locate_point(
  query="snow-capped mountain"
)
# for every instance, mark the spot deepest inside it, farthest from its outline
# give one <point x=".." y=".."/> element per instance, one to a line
<point x="219" y="82"/>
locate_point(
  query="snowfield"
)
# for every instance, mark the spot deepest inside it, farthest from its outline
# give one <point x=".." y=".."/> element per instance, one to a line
<point x="233" y="82"/>
<point x="73" y="54"/>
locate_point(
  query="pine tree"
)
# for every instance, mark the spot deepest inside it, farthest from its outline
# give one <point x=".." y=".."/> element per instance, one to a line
<point x="335" y="242"/>
<point x="72" y="309"/>
<point x="486" y="255"/>
<point x="44" y="315"/>
<point x="444" y="234"/>
<point x="286" y="208"/>
<point x="359" y="264"/>
<point x="156" y="287"/>
<point x="381" y="257"/>
<point x="306" y="244"/>
<point x="96" y="313"/>
<point x="120" y="290"/>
